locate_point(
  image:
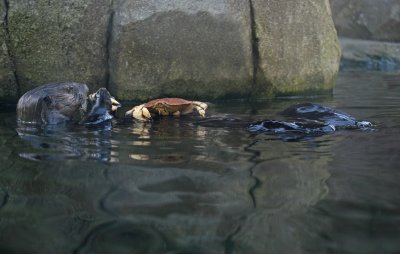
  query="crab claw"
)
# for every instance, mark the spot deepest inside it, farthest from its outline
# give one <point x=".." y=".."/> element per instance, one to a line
<point x="139" y="112"/>
<point x="114" y="104"/>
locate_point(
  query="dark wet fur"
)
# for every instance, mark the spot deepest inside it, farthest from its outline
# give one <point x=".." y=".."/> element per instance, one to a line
<point x="99" y="108"/>
<point x="316" y="112"/>
<point x="61" y="103"/>
<point x="52" y="103"/>
<point x="308" y="119"/>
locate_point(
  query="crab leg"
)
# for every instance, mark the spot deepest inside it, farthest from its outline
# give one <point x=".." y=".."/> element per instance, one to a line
<point x="139" y="112"/>
<point x="200" y="107"/>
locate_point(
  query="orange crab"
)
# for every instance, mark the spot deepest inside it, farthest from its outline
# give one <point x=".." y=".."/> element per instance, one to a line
<point x="165" y="107"/>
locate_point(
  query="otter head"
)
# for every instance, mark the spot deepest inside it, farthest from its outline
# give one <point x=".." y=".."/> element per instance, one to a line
<point x="68" y="100"/>
<point x="100" y="105"/>
<point x="52" y="103"/>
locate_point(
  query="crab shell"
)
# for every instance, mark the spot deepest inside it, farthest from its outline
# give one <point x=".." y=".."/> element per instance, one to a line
<point x="165" y="107"/>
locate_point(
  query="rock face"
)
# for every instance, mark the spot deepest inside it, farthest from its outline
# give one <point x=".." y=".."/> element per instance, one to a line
<point x="59" y="41"/>
<point x="8" y="85"/>
<point x="181" y="48"/>
<point x="143" y="49"/>
<point x="298" y="46"/>
<point x="367" y="19"/>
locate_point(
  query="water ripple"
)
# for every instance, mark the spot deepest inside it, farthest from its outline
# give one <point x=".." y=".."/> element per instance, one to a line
<point x="122" y="237"/>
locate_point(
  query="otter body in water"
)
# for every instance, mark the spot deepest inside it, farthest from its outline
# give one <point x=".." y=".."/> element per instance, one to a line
<point x="309" y="118"/>
<point x="63" y="102"/>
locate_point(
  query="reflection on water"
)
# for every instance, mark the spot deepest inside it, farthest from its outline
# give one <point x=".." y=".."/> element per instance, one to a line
<point x="122" y="237"/>
<point x="195" y="185"/>
<point x="64" y="142"/>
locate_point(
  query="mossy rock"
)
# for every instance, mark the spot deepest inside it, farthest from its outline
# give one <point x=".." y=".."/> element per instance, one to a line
<point x="298" y="47"/>
<point x="59" y="41"/>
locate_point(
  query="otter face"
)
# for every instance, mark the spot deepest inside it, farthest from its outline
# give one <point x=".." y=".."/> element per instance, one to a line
<point x="69" y="99"/>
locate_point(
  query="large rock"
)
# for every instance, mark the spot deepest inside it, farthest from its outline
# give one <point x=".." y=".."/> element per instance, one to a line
<point x="367" y="19"/>
<point x="8" y="85"/>
<point x="181" y="48"/>
<point x="298" y="46"/>
<point x="59" y="40"/>
<point x="142" y="49"/>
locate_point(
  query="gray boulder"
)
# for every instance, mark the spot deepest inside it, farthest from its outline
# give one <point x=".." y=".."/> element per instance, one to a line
<point x="367" y="19"/>
<point x="298" y="46"/>
<point x="59" y="41"/>
<point x="181" y="48"/>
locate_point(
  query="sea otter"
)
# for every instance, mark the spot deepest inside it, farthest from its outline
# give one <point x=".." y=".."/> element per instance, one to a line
<point x="309" y="118"/>
<point x="63" y="102"/>
<point x="100" y="105"/>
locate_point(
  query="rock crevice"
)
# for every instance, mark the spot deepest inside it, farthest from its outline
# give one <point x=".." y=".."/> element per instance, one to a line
<point x="13" y="86"/>
<point x="109" y="43"/>
<point x="255" y="49"/>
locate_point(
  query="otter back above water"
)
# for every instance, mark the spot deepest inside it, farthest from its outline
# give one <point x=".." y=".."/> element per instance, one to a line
<point x="52" y="103"/>
<point x="308" y="119"/>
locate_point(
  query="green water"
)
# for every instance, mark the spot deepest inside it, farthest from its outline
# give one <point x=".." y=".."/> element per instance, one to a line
<point x="184" y="186"/>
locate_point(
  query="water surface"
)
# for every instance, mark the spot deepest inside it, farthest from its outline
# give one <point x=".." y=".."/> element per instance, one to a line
<point x="208" y="186"/>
